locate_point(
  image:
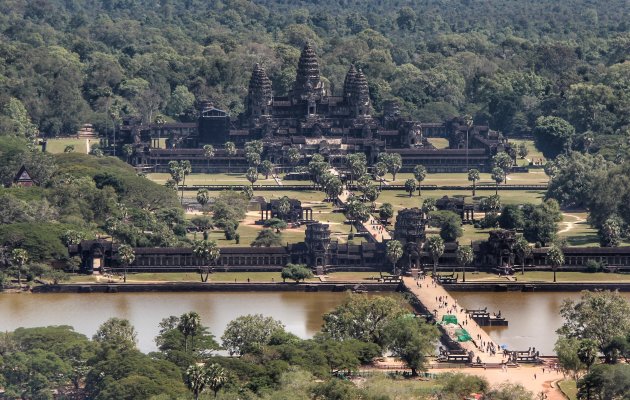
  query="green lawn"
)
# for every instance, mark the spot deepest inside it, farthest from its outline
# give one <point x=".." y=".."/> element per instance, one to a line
<point x="534" y="153"/>
<point x="534" y="177"/>
<point x="56" y="146"/>
<point x="213" y="179"/>
<point x="569" y="388"/>
<point x="214" y="277"/>
<point x="547" y="276"/>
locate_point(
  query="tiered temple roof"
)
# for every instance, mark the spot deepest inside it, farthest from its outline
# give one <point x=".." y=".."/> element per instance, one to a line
<point x="259" y="94"/>
<point x="307" y="79"/>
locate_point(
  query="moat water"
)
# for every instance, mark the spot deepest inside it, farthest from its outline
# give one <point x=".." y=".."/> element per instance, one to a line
<point x="533" y="317"/>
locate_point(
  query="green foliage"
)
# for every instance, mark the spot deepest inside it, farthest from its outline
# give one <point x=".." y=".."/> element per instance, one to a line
<point x="553" y="135"/>
<point x="296" y="272"/>
<point x="605" y="382"/>
<point x="411" y="339"/>
<point x="362" y="318"/>
<point x="249" y="333"/>
<point x="267" y="238"/>
<point x="450" y="224"/>
<point x="598" y="316"/>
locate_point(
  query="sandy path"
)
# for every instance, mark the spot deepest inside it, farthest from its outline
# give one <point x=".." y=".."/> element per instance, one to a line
<point x="569" y="225"/>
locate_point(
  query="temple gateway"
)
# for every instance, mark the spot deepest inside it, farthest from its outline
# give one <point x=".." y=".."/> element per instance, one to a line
<point x="314" y="121"/>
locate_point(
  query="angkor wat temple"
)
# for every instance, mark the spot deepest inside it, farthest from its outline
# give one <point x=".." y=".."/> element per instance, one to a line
<point x="319" y="252"/>
<point x="312" y="120"/>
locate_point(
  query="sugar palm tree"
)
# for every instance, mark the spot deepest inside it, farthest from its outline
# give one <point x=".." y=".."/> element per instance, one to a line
<point x="436" y="248"/>
<point x="394" y="251"/>
<point x="208" y="252"/>
<point x="465" y="257"/>
<point x="420" y="173"/>
<point x="230" y="149"/>
<point x="127" y="256"/>
<point x="498" y="175"/>
<point x="523" y="250"/>
<point x="208" y="152"/>
<point x="203" y="197"/>
<point x="19" y="258"/>
<point x="196" y="379"/>
<point x="216" y="378"/>
<point x="556" y="259"/>
<point x="473" y="176"/>
<point x="188" y="325"/>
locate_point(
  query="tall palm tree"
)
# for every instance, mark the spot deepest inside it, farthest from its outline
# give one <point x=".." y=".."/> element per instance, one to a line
<point x="464" y="256"/>
<point x="420" y="173"/>
<point x="186" y="170"/>
<point x="498" y="175"/>
<point x="394" y="251"/>
<point x="19" y="258"/>
<point x="216" y="378"/>
<point x="230" y="149"/>
<point x="208" y="252"/>
<point x="189" y="324"/>
<point x="473" y="176"/>
<point x="127" y="256"/>
<point x="208" y="152"/>
<point x="203" y="197"/>
<point x="196" y="379"/>
<point x="436" y="248"/>
<point x="555" y="258"/>
<point x="523" y="250"/>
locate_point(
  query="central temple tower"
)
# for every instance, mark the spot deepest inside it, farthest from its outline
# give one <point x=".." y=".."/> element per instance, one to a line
<point x="308" y="85"/>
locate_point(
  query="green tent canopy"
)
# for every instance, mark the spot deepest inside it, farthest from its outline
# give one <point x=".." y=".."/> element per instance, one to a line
<point x="449" y="319"/>
<point x="462" y="335"/>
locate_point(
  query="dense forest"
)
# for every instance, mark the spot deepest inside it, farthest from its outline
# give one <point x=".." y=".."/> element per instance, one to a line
<point x="64" y="63"/>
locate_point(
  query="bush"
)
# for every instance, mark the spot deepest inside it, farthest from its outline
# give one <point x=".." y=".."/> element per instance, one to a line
<point x="593" y="266"/>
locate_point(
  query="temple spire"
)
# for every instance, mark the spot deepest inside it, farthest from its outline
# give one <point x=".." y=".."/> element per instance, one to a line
<point x="348" y="83"/>
<point x="307" y="80"/>
<point x="259" y="96"/>
<point x="361" y="95"/>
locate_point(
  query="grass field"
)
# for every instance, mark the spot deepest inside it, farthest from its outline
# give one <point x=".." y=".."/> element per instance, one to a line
<point x="534" y="153"/>
<point x="56" y="146"/>
<point x="534" y="177"/>
<point x="569" y="388"/>
<point x="547" y="276"/>
<point x="213" y="179"/>
<point x="214" y="277"/>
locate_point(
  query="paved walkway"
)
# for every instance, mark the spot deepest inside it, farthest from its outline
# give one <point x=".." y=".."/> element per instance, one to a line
<point x="372" y="226"/>
<point x="429" y="293"/>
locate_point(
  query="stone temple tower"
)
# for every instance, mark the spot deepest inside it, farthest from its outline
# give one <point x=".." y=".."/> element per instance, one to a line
<point x="361" y="95"/>
<point x="308" y="85"/>
<point x="259" y="95"/>
<point x="348" y="83"/>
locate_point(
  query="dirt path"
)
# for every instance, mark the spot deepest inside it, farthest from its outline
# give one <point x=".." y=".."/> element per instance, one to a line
<point x="569" y="225"/>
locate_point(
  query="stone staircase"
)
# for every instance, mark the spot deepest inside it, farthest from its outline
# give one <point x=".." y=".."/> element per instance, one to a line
<point x="86" y="132"/>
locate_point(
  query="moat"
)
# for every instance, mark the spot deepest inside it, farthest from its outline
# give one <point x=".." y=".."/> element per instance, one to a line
<point x="533" y="317"/>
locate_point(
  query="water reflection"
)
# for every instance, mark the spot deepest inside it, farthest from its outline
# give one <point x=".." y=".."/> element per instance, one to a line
<point x="533" y="317"/>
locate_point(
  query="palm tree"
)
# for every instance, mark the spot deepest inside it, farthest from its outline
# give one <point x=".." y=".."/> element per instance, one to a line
<point x="188" y="325"/>
<point x="468" y="120"/>
<point x="498" y="175"/>
<point x="127" y="150"/>
<point x="473" y="176"/>
<point x="203" y="197"/>
<point x="436" y="248"/>
<point x="465" y="256"/>
<point x="394" y="253"/>
<point x="252" y="175"/>
<point x="19" y="258"/>
<point x="186" y="170"/>
<point x="208" y="252"/>
<point x="410" y="186"/>
<point x="555" y="258"/>
<point x="420" y="173"/>
<point x="230" y="149"/>
<point x="284" y="208"/>
<point x="523" y="250"/>
<point x="380" y="169"/>
<point x="196" y="379"/>
<point x="208" y="152"/>
<point x="266" y="167"/>
<point x="216" y="378"/>
<point x="126" y="256"/>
